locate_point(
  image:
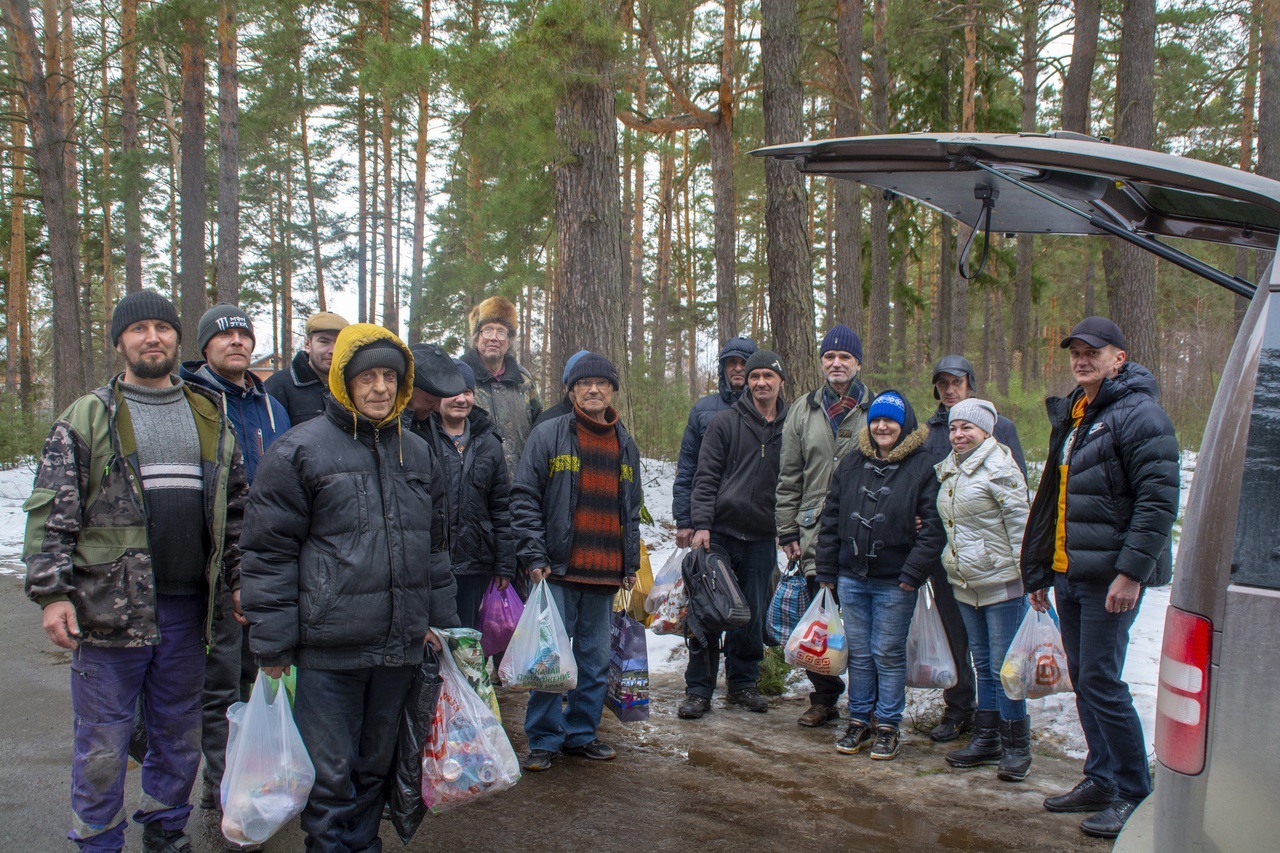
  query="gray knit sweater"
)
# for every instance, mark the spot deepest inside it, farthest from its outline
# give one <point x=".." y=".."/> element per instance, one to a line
<point x="173" y="484"/>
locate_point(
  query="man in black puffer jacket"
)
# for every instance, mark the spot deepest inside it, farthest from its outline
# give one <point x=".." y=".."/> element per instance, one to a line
<point x="1099" y="533"/>
<point x="346" y="569"/>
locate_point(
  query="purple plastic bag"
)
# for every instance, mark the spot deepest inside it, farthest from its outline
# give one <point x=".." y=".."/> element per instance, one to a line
<point x="499" y="613"/>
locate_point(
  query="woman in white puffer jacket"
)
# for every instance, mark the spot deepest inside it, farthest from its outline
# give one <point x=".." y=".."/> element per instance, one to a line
<point x="982" y="500"/>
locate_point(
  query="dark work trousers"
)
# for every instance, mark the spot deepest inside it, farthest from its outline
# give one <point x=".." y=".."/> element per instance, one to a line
<point x="962" y="699"/>
<point x="471" y="590"/>
<point x="753" y="562"/>
<point x="348" y="720"/>
<point x="827" y="689"/>
<point x="229" y="672"/>
<point x="1096" y="642"/>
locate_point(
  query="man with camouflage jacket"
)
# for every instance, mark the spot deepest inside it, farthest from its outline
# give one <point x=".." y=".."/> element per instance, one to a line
<point x="132" y="524"/>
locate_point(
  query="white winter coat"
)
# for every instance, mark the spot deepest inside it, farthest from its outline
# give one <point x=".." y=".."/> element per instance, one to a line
<point x="983" y="504"/>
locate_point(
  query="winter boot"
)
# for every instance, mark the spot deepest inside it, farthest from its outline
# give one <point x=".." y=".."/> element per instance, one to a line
<point x="1015" y="736"/>
<point x="157" y="839"/>
<point x="984" y="747"/>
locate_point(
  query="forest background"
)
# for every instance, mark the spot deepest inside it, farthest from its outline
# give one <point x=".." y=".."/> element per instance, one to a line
<point x="400" y="161"/>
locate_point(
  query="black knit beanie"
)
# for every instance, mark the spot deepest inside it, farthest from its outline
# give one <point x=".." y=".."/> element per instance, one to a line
<point x="595" y="366"/>
<point x="222" y="318"/>
<point x="380" y="353"/>
<point x="143" y="305"/>
<point x="766" y="359"/>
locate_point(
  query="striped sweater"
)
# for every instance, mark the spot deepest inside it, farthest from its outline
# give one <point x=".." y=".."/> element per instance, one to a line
<point x="596" y="555"/>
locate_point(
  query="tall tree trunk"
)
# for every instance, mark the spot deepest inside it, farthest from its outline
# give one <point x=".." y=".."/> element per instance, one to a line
<point x="590" y="289"/>
<point x="227" y="272"/>
<point x="786" y="197"/>
<point x="175" y="170"/>
<point x="999" y="346"/>
<point x="194" y="296"/>
<point x="878" y="355"/>
<point x="362" y="215"/>
<point x="390" y="306"/>
<point x="900" y="336"/>
<point x="104" y="195"/>
<point x="637" y="229"/>
<point x="1084" y="54"/>
<point x="63" y="70"/>
<point x="1130" y="271"/>
<point x="1269" y="90"/>
<point x="17" y="346"/>
<point x="286" y="261"/>
<point x="416" y="318"/>
<point x="848" y="195"/>
<point x="48" y="136"/>
<point x="1025" y="252"/>
<point x="304" y="142"/>
<point x="131" y="161"/>
<point x="723" y="192"/>
<point x="662" y="273"/>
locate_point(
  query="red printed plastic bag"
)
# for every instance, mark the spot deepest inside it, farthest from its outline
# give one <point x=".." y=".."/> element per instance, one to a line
<point x="818" y="642"/>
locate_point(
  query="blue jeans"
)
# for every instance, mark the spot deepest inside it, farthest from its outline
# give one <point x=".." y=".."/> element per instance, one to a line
<point x="877" y="616"/>
<point x="991" y="629"/>
<point x="105" y="686"/>
<point x="348" y="719"/>
<point x="753" y="562"/>
<point x="1096" y="642"/>
<point x="550" y="723"/>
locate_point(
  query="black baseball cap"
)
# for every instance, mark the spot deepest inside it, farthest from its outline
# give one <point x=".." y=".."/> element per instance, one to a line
<point x="1096" y="332"/>
<point x="435" y="373"/>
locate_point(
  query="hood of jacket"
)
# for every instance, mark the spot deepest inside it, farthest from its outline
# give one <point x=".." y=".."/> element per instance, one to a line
<point x="200" y="373"/>
<point x="301" y="371"/>
<point x="351" y="339"/>
<point x="908" y="443"/>
<point x="952" y="464"/>
<point x="1133" y="378"/>
<point x="741" y="348"/>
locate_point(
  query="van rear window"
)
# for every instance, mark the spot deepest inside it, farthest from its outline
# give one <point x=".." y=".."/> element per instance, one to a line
<point x="1256" y="561"/>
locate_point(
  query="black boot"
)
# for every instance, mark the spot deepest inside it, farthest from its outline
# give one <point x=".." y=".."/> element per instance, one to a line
<point x="984" y="747"/>
<point x="1015" y="735"/>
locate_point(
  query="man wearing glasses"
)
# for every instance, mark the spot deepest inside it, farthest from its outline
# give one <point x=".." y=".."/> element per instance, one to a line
<point x="504" y="389"/>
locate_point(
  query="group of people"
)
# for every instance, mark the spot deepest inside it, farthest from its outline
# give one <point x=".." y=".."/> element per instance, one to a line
<point x="191" y="525"/>
<point x="871" y="504"/>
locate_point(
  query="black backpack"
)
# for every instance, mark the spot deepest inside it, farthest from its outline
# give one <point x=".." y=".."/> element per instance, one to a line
<point x="716" y="602"/>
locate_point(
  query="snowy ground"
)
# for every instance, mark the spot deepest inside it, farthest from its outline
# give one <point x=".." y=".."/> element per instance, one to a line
<point x="1054" y="718"/>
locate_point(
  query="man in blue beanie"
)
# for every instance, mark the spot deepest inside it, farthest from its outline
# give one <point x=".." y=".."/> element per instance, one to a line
<point x="732" y="381"/>
<point x="565" y="406"/>
<point x="818" y="431"/>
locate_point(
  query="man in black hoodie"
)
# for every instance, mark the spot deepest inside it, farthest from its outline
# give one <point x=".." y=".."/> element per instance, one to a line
<point x="733" y="378"/>
<point x="1100" y="532"/>
<point x="732" y="508"/>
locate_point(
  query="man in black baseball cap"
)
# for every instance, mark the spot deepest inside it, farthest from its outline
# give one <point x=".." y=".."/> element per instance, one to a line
<point x="435" y="378"/>
<point x="1097" y="332"/>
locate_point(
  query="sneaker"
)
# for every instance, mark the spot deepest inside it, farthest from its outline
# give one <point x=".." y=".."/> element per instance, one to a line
<point x="749" y="698"/>
<point x="887" y="743"/>
<point x="157" y="839"/>
<point x="596" y="750"/>
<point x="537" y="760"/>
<point x="693" y="707"/>
<point x="1088" y="796"/>
<point x="1108" y="822"/>
<point x="855" y="737"/>
<point x="819" y="714"/>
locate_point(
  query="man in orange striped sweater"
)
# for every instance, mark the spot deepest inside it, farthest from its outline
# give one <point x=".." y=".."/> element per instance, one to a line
<point x="575" y="511"/>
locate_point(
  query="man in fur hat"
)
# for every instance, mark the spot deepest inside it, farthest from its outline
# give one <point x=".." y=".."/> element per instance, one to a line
<point x="504" y="389"/>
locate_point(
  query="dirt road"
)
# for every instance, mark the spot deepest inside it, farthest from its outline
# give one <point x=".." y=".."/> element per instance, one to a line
<point x="730" y="781"/>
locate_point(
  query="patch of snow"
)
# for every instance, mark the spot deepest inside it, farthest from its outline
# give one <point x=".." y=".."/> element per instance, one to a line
<point x="15" y="487"/>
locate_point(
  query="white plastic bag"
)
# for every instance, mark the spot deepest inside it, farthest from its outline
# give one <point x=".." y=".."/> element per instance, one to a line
<point x="539" y="656"/>
<point x="929" y="660"/>
<point x="818" y="642"/>
<point x="269" y="774"/>
<point x="467" y="754"/>
<point x="665" y="580"/>
<point x="1036" y="665"/>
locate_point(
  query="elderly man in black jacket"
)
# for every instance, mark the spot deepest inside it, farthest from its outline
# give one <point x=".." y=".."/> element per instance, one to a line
<point x="345" y="572"/>
<point x="1099" y="533"/>
<point x="733" y="509"/>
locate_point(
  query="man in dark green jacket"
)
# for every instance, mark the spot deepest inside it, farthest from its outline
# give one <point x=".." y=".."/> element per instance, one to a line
<point x="133" y="520"/>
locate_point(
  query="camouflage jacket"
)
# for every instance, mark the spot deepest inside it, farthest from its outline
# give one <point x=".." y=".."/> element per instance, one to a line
<point x="511" y="402"/>
<point x="86" y="539"/>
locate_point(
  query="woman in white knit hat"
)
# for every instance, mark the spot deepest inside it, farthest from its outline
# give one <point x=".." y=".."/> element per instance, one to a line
<point x="982" y="500"/>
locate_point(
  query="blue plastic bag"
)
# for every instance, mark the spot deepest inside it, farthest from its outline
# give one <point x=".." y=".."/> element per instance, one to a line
<point x="790" y="600"/>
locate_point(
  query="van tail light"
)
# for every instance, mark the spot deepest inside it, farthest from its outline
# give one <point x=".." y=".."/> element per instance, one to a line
<point x="1182" y="708"/>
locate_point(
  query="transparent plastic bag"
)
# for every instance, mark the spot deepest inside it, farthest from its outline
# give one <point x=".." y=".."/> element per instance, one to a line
<point x="269" y="774"/>
<point x="665" y="581"/>
<point x="818" y="641"/>
<point x="465" y="645"/>
<point x="929" y="660"/>
<point x="670" y="616"/>
<point x="467" y="754"/>
<point x="539" y="656"/>
<point x="1036" y="665"/>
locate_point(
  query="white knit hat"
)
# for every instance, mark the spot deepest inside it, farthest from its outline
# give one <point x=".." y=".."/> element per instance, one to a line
<point x="980" y="413"/>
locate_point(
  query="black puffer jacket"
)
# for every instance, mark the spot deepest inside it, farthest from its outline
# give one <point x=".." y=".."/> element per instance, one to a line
<point x="868" y="524"/>
<point x="1122" y="487"/>
<point x="699" y="418"/>
<point x="298" y="389"/>
<point x="481" y="542"/>
<point x="345" y="560"/>
<point x="544" y="496"/>
<point x="734" y="487"/>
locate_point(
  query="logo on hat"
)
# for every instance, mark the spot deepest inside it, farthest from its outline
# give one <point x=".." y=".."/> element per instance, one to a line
<point x="233" y="322"/>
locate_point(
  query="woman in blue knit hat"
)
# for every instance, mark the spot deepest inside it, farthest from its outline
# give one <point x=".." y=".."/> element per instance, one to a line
<point x="879" y="536"/>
